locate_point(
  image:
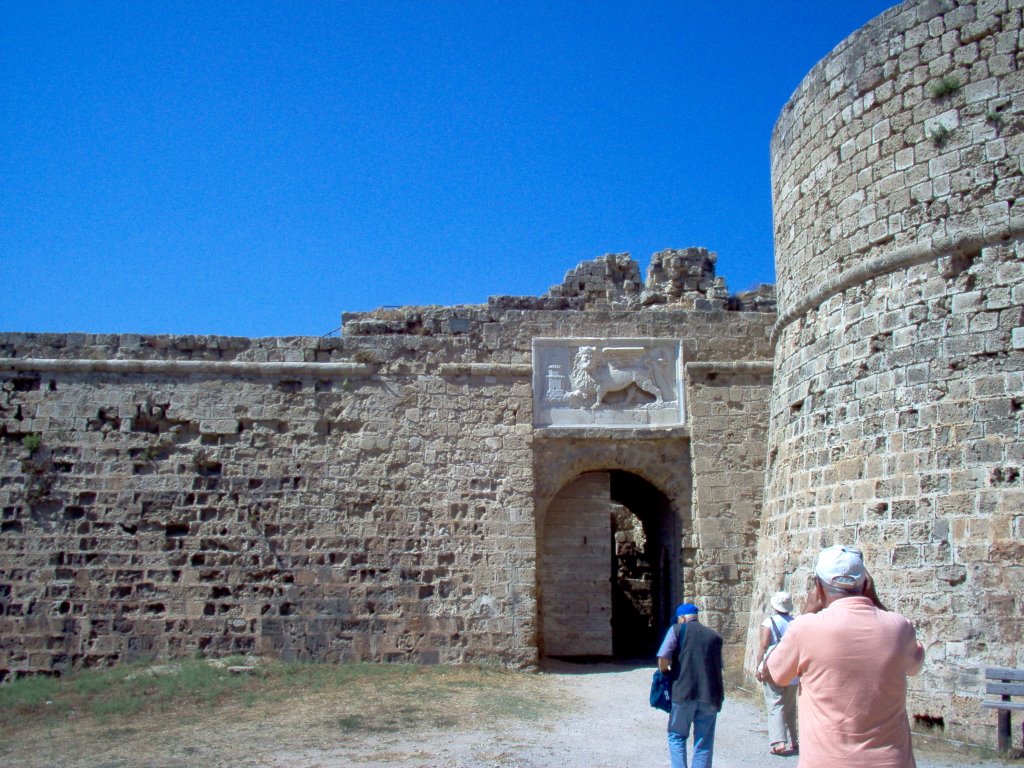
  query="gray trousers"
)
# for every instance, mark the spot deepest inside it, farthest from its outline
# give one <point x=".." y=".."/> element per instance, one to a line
<point x="780" y="701"/>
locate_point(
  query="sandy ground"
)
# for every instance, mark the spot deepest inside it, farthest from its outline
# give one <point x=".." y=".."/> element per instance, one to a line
<point x="605" y="724"/>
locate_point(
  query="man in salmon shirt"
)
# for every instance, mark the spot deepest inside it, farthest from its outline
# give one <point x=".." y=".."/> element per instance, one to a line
<point x="853" y="657"/>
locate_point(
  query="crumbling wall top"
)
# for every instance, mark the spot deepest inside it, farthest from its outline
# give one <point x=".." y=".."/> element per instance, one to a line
<point x="678" y="278"/>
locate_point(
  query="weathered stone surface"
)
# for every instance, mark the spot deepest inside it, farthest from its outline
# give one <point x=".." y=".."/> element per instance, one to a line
<point x="895" y="414"/>
<point x="378" y="496"/>
<point x="396" y="494"/>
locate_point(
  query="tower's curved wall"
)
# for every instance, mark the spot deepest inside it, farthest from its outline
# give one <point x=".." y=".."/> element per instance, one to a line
<point x="899" y="361"/>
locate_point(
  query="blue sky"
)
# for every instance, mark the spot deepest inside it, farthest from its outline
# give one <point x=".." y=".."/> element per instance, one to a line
<point x="257" y="168"/>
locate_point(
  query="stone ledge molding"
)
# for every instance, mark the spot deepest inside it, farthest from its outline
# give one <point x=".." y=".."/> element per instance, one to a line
<point x="486" y="369"/>
<point x="187" y="367"/>
<point x="735" y="368"/>
<point x="964" y="241"/>
<point x="615" y="433"/>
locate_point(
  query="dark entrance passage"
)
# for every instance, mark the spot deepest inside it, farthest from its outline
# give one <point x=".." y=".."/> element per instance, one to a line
<point x="608" y="568"/>
<point x="643" y="534"/>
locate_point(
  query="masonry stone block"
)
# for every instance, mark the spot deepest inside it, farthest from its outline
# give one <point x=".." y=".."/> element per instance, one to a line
<point x="948" y="261"/>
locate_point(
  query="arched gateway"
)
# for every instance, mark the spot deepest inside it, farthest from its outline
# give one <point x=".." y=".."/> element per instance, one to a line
<point x="647" y="472"/>
<point x="606" y="567"/>
<point x="610" y="414"/>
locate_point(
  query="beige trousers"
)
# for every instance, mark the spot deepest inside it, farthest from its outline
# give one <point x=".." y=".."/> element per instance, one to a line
<point x="780" y="702"/>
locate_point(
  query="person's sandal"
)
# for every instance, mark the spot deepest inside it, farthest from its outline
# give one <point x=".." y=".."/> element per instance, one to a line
<point x="779" y="748"/>
<point x="795" y="747"/>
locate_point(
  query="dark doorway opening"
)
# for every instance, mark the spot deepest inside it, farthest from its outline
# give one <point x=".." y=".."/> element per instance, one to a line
<point x="608" y="569"/>
<point x="643" y="571"/>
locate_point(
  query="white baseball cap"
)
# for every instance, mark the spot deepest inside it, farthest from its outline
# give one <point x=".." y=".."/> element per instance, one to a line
<point x="841" y="567"/>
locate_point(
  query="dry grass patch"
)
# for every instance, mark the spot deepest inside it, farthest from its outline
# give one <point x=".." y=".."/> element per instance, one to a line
<point x="195" y="712"/>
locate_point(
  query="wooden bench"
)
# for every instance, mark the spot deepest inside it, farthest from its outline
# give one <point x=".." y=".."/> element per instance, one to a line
<point x="1007" y="683"/>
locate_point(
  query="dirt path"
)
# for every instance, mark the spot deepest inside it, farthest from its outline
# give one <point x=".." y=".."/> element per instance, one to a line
<point x="606" y="724"/>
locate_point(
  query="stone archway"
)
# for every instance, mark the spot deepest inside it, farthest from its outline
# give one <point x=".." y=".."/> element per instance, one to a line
<point x="607" y="575"/>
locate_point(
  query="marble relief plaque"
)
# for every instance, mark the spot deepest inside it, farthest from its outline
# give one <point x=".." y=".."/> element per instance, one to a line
<point x="607" y="382"/>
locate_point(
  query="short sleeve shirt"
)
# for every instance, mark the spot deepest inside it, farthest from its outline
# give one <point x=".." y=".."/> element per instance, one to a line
<point x="781" y="623"/>
<point x="669" y="644"/>
<point x="777" y="624"/>
<point x="853" y="660"/>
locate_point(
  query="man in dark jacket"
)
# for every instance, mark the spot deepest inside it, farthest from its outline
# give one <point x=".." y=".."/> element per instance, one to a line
<point x="692" y="654"/>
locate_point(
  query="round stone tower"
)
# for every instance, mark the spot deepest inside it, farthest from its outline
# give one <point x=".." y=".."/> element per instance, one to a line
<point x="896" y="412"/>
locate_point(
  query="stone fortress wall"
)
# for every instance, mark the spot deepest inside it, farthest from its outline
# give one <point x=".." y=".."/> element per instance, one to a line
<point x="899" y="351"/>
<point x="380" y="496"/>
<point x="443" y="484"/>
